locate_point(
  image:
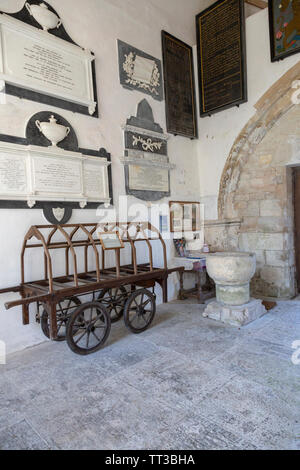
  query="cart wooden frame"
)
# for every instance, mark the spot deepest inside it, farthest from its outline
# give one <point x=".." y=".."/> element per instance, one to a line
<point x="52" y="290"/>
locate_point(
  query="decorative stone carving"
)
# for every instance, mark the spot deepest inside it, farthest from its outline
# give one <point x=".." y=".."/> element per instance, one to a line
<point x="147" y="144"/>
<point x="46" y="18"/>
<point x="232" y="273"/>
<point x="52" y="131"/>
<point x="57" y="215"/>
<point x="140" y="71"/>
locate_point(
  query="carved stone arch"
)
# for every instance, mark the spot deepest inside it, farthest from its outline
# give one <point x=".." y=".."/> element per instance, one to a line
<point x="276" y="102"/>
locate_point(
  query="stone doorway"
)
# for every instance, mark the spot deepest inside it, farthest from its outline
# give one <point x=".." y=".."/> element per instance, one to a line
<point x="256" y="191"/>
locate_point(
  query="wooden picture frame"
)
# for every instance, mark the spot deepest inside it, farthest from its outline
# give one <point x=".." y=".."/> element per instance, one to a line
<point x="283" y="27"/>
<point x="228" y="88"/>
<point x="185" y="219"/>
<point x="110" y="240"/>
<point x="179" y="83"/>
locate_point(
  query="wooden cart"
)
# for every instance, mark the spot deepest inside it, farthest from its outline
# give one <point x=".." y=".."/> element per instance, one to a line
<point x="80" y="306"/>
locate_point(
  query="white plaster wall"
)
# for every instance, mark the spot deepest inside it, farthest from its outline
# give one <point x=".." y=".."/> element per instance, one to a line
<point x="96" y="25"/>
<point x="218" y="133"/>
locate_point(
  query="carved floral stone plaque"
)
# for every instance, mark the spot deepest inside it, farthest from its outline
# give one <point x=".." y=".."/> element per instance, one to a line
<point x="140" y="71"/>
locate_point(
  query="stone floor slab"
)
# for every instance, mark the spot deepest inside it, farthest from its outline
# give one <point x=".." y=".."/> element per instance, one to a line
<point x="186" y="383"/>
<point x="21" y="436"/>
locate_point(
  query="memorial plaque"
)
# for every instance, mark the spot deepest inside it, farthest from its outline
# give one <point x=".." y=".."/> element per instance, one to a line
<point x="32" y="174"/>
<point x="13" y="176"/>
<point x="61" y="72"/>
<point x="42" y="67"/>
<point x="143" y="178"/>
<point x="54" y="175"/>
<point x="179" y="87"/>
<point x="95" y="180"/>
<point x="147" y="166"/>
<point x="221" y="56"/>
<point x="140" y="71"/>
<point x="284" y="19"/>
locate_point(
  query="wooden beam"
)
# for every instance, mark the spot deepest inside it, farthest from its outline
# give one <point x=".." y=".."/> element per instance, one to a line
<point x="257" y="3"/>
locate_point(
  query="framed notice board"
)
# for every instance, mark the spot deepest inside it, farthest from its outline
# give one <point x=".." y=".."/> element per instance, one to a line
<point x="184" y="216"/>
<point x="284" y="20"/>
<point x="179" y="87"/>
<point x="110" y="240"/>
<point x="221" y="56"/>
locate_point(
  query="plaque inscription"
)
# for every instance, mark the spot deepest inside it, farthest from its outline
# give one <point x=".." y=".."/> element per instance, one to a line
<point x="143" y="178"/>
<point x="53" y="175"/>
<point x="221" y="56"/>
<point x="32" y="174"/>
<point x="94" y="180"/>
<point x="12" y="174"/>
<point x="43" y="64"/>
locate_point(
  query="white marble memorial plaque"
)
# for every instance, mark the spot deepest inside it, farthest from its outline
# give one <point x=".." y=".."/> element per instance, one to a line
<point x="32" y="173"/>
<point x="144" y="178"/>
<point x="94" y="178"/>
<point x="13" y="178"/>
<point x="54" y="175"/>
<point x="41" y="62"/>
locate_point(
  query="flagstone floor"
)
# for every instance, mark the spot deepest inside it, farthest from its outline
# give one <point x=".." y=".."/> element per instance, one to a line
<point x="186" y="383"/>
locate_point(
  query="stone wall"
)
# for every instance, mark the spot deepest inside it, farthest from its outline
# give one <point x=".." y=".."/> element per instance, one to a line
<point x="263" y="200"/>
<point x="222" y="235"/>
<point x="257" y="187"/>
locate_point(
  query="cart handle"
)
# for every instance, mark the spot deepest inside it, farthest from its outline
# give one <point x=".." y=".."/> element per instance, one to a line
<point x="27" y="301"/>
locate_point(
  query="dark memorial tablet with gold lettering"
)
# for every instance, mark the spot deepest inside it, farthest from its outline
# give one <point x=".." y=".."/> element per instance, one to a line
<point x="179" y="87"/>
<point x="222" y="56"/>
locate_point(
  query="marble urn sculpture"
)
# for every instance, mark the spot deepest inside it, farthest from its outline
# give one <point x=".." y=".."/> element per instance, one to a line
<point x="46" y="18"/>
<point x="232" y="273"/>
<point x="52" y="131"/>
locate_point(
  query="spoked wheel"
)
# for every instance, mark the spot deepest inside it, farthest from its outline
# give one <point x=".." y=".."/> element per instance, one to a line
<point x="88" y="328"/>
<point x="139" y="311"/>
<point x="114" y="301"/>
<point x="65" y="308"/>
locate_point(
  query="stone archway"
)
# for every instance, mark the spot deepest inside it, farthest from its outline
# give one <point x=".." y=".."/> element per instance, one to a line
<point x="269" y="109"/>
<point x="256" y="187"/>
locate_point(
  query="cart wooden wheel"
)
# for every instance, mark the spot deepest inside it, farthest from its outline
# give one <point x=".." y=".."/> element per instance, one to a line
<point x="114" y="301"/>
<point x="139" y="310"/>
<point x="65" y="308"/>
<point x="88" y="328"/>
